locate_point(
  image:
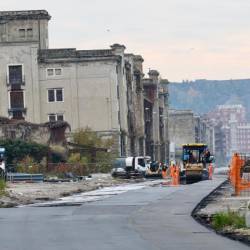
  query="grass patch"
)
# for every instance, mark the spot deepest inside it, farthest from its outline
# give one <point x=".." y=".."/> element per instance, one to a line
<point x="224" y="219"/>
<point x="2" y="187"/>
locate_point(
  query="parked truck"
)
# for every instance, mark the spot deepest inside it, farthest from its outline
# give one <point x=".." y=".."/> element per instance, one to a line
<point x="130" y="167"/>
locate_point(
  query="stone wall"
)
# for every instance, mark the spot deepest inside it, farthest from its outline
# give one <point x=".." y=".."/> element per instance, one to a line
<point x="46" y="133"/>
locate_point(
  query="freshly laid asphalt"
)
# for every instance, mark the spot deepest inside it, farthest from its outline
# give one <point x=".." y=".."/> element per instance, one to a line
<point x="150" y="218"/>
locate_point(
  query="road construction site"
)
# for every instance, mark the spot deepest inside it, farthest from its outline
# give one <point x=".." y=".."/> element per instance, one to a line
<point x="147" y="215"/>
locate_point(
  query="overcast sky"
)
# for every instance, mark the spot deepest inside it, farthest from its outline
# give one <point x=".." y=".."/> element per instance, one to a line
<point x="183" y="39"/>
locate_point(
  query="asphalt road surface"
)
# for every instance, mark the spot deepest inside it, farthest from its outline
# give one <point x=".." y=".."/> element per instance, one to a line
<point x="147" y="218"/>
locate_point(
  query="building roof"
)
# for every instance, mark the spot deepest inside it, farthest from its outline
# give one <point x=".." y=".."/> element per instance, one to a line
<point x="24" y="15"/>
<point x="72" y="53"/>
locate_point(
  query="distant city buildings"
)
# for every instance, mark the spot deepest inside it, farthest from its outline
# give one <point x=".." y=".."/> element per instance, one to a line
<point x="234" y="128"/>
<point x="225" y="130"/>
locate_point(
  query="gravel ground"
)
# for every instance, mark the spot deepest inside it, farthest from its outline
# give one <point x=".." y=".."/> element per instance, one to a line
<point x="28" y="193"/>
<point x="223" y="200"/>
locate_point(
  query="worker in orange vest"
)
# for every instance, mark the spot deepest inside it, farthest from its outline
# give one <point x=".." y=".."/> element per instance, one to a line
<point x="164" y="171"/>
<point x="177" y="175"/>
<point x="210" y="171"/>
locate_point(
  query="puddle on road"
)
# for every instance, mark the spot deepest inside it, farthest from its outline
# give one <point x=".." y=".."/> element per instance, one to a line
<point x="96" y="195"/>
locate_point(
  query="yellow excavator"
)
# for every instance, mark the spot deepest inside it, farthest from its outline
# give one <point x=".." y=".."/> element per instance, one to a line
<point x="195" y="161"/>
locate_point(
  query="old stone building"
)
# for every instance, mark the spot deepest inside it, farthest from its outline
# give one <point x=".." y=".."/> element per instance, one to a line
<point x="135" y="116"/>
<point x="181" y="129"/>
<point x="156" y="116"/>
<point x="186" y="128"/>
<point x="100" y="89"/>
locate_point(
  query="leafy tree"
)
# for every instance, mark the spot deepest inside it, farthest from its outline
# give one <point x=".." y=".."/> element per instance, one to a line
<point x="77" y="158"/>
<point x="87" y="137"/>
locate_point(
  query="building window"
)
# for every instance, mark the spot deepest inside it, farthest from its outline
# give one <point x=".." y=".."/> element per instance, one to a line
<point x="54" y="72"/>
<point x="60" y="117"/>
<point x="22" y="33"/>
<point x="59" y="95"/>
<point x="17" y="104"/>
<point x="56" y="117"/>
<point x="55" y="95"/>
<point x="51" y="95"/>
<point x="16" y="99"/>
<point x="52" y="117"/>
<point x="50" y="72"/>
<point x="15" y="74"/>
<point x="29" y="33"/>
<point x="58" y="72"/>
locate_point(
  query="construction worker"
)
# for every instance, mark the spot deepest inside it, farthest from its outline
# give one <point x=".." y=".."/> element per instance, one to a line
<point x="172" y="169"/>
<point x="207" y="155"/>
<point x="210" y="171"/>
<point x="164" y="171"/>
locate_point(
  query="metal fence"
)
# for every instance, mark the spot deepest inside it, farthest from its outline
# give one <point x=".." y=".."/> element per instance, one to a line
<point x="77" y="169"/>
<point x="239" y="174"/>
<point x="18" y="177"/>
<point x="61" y="170"/>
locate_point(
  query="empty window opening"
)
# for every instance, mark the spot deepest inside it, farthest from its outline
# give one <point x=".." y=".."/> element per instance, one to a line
<point x="22" y="33"/>
<point x="29" y="33"/>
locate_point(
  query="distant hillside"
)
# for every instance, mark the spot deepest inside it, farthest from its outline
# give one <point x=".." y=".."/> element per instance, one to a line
<point x="203" y="96"/>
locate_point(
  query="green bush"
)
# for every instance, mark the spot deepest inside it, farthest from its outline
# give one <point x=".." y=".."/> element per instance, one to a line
<point x="223" y="219"/>
<point x="76" y="158"/>
<point x="17" y="150"/>
<point x="101" y="159"/>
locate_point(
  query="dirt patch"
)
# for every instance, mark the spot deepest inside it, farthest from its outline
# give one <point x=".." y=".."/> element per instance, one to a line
<point x="30" y="193"/>
<point x="222" y="200"/>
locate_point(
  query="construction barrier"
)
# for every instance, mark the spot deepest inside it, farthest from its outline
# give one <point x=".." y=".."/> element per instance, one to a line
<point x="239" y="180"/>
<point x="18" y="177"/>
